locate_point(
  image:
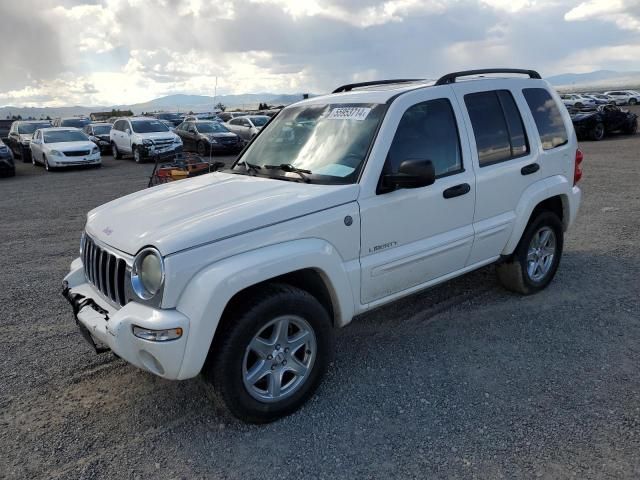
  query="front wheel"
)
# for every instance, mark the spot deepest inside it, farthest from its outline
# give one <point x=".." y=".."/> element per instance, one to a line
<point x="272" y="354"/>
<point x="115" y="152"/>
<point x="597" y="133"/>
<point x="136" y="155"/>
<point x="201" y="148"/>
<point x="633" y="101"/>
<point x="536" y="258"/>
<point x="632" y="128"/>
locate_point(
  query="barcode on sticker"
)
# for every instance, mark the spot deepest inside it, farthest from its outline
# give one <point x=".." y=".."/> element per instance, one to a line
<point x="349" y="113"/>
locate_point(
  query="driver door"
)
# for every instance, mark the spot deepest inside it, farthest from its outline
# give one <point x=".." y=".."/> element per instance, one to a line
<point x="411" y="237"/>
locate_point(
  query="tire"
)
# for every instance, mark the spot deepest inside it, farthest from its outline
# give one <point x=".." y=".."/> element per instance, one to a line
<point x="516" y="273"/>
<point x="33" y="161"/>
<point x="201" y="148"/>
<point x="633" y="101"/>
<point x="578" y="105"/>
<point x="24" y="155"/>
<point x="231" y="360"/>
<point x="115" y="152"/>
<point x="136" y="154"/>
<point x="46" y="164"/>
<point x="632" y="128"/>
<point x="597" y="132"/>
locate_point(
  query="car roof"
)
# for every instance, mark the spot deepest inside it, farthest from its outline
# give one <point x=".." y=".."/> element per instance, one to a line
<point x="151" y="119"/>
<point x="33" y="121"/>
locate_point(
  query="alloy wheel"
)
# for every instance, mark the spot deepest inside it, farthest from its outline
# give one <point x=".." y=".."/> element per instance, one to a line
<point x="541" y="253"/>
<point x="279" y="359"/>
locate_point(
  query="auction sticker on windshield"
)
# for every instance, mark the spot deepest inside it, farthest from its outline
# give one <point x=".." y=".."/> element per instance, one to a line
<point x="349" y="113"/>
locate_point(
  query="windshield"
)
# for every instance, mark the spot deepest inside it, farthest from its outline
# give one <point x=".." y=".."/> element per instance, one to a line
<point x="56" y="136"/>
<point x="148" y="126"/>
<point x="331" y="140"/>
<point x="101" y="129"/>
<point x="169" y="116"/>
<point x="210" y="127"/>
<point x="75" y="122"/>
<point x="259" y="121"/>
<point x="29" y="128"/>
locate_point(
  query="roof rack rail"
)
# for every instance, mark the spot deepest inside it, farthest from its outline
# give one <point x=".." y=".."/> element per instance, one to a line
<point x="350" y="86"/>
<point x="451" y="77"/>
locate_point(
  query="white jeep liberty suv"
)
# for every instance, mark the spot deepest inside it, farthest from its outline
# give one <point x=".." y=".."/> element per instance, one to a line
<point x="342" y="203"/>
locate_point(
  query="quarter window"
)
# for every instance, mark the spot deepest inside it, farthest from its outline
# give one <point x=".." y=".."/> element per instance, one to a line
<point x="497" y="126"/>
<point x="547" y="116"/>
<point x="427" y="131"/>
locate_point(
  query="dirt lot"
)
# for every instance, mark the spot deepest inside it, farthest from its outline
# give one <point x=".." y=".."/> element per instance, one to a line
<point x="463" y="381"/>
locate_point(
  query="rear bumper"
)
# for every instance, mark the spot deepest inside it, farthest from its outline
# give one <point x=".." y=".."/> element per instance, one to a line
<point x="108" y="328"/>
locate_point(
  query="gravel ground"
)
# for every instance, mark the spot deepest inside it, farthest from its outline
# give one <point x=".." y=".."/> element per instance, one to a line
<point x="463" y="381"/>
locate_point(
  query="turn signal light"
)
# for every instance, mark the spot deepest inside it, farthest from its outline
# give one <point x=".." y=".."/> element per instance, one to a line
<point x="157" y="335"/>
<point x="577" y="172"/>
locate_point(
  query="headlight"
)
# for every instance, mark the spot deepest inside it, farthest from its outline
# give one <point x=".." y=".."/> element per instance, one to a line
<point x="94" y="150"/>
<point x="212" y="140"/>
<point x="93" y="139"/>
<point x="177" y="140"/>
<point x="147" y="273"/>
<point x="4" y="149"/>
<point x="57" y="153"/>
<point x="147" y="142"/>
<point x="82" y="237"/>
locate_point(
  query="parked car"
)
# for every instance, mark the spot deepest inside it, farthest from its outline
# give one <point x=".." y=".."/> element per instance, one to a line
<point x="577" y="101"/>
<point x="143" y="138"/>
<point x="603" y="120"/>
<point x="624" y="97"/>
<point x="7" y="165"/>
<point x="20" y="136"/>
<point x="207" y="137"/>
<point x="98" y="133"/>
<point x="75" y="122"/>
<point x="344" y="203"/>
<point x="247" y="127"/>
<point x="600" y="98"/>
<point x="195" y="118"/>
<point x="174" y="118"/>
<point x="57" y="147"/>
<point x="226" y="116"/>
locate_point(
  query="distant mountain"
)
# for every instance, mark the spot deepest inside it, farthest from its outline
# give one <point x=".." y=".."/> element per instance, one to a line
<point x="599" y="79"/>
<point x="174" y="103"/>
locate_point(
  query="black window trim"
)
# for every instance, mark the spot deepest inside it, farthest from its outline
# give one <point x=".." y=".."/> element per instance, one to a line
<point x="504" y="116"/>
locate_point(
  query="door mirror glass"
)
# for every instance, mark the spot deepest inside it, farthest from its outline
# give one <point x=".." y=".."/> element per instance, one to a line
<point x="412" y="173"/>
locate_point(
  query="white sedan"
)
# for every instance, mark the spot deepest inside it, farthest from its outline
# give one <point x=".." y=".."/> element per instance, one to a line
<point x="63" y="147"/>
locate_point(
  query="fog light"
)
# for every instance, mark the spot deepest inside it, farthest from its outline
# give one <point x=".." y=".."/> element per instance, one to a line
<point x="157" y="335"/>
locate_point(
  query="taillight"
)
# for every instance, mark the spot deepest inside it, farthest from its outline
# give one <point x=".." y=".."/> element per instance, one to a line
<point x="577" y="171"/>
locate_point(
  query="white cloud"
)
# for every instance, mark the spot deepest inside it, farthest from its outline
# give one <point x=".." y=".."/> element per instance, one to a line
<point x="624" y="13"/>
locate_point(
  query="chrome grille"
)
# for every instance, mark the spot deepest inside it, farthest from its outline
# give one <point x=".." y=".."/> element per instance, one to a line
<point x="105" y="271"/>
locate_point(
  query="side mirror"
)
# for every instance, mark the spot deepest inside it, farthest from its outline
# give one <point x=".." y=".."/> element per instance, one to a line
<point x="413" y="173"/>
<point x="127" y="131"/>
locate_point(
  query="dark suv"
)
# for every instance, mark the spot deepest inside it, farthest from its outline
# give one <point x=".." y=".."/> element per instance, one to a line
<point x="20" y="137"/>
<point x="7" y="167"/>
<point x="99" y="134"/>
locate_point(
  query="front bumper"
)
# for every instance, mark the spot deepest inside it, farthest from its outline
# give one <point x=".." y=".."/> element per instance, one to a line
<point x="63" y="161"/>
<point x="108" y="328"/>
<point x="151" y="151"/>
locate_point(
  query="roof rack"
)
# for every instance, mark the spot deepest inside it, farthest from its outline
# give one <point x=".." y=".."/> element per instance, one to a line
<point x="350" y="86"/>
<point x="451" y="77"/>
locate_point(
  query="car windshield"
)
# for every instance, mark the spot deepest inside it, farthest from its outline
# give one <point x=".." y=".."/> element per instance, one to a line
<point x="259" y="121"/>
<point x="29" y="128"/>
<point x="210" y="127"/>
<point x="75" y="122"/>
<point x="169" y="116"/>
<point x="101" y="129"/>
<point x="58" y="136"/>
<point x="148" y="126"/>
<point x="331" y="141"/>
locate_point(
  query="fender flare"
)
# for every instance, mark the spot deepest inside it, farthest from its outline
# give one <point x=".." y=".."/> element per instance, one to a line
<point x="206" y="296"/>
<point x="536" y="193"/>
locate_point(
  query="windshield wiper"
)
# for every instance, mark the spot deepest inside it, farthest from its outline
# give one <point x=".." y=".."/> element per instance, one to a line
<point x="250" y="167"/>
<point x="287" y="167"/>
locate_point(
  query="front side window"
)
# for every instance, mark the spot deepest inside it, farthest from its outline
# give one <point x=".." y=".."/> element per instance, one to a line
<point x="148" y="126"/>
<point x="259" y="121"/>
<point x="427" y="131"/>
<point x="547" y="116"/>
<point x="329" y="140"/>
<point x="497" y="126"/>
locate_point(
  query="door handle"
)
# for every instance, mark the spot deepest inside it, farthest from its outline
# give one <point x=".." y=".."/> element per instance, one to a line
<point x="529" y="169"/>
<point x="456" y="191"/>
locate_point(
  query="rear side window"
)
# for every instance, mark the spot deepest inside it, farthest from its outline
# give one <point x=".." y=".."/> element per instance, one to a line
<point x="427" y="131"/>
<point x="547" y="116"/>
<point x="497" y="126"/>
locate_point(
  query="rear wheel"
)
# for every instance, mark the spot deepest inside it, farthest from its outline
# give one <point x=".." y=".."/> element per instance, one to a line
<point x="597" y="133"/>
<point x="201" y="148"/>
<point x="536" y="258"/>
<point x="632" y="128"/>
<point x="115" y="152"/>
<point x="633" y="101"/>
<point x="272" y="355"/>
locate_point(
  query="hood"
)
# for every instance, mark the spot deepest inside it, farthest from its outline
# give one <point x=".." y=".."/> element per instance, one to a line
<point x="71" y="146"/>
<point x="157" y="135"/>
<point x="188" y="213"/>
<point x="106" y="138"/>
<point x="578" y="117"/>
<point x="220" y="135"/>
<point x="25" y="136"/>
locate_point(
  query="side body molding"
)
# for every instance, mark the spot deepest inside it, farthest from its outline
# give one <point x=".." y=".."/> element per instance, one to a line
<point x="204" y="299"/>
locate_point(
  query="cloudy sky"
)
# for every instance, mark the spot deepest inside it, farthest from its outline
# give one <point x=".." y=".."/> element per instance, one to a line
<point x="105" y="52"/>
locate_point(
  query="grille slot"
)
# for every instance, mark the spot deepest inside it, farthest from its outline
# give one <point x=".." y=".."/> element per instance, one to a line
<point x="104" y="271"/>
<point x="77" y="153"/>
